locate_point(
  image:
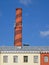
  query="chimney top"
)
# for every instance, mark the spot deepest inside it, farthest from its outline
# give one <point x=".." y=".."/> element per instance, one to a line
<point x="18" y="8"/>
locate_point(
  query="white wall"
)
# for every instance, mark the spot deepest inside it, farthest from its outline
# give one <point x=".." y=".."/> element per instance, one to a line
<point x="20" y="59"/>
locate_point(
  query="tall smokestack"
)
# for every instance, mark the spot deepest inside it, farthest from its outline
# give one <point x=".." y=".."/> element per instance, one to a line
<point x="18" y="28"/>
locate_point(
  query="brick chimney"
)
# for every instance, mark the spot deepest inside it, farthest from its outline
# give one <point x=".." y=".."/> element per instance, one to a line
<point x="18" y="28"/>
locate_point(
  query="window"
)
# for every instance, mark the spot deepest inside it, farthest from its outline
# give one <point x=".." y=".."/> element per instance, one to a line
<point x="25" y="58"/>
<point x="45" y="58"/>
<point x="5" y="59"/>
<point x="35" y="59"/>
<point x="15" y="59"/>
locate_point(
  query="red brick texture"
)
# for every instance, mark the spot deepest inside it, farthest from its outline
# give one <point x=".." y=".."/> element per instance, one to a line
<point x="42" y="55"/>
<point x="18" y="28"/>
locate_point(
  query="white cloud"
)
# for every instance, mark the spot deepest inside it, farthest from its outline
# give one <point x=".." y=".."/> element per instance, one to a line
<point x="25" y="2"/>
<point x="44" y="33"/>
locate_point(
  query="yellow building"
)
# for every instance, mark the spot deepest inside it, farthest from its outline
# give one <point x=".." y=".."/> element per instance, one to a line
<point x="25" y="55"/>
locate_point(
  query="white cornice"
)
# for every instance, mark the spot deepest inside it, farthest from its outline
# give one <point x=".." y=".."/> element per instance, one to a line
<point x="24" y="52"/>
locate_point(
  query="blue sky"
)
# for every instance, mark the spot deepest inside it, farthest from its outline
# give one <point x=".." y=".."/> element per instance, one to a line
<point x="35" y="22"/>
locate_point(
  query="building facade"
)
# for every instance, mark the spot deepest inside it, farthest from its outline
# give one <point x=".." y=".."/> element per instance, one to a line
<point x="44" y="58"/>
<point x="25" y="55"/>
